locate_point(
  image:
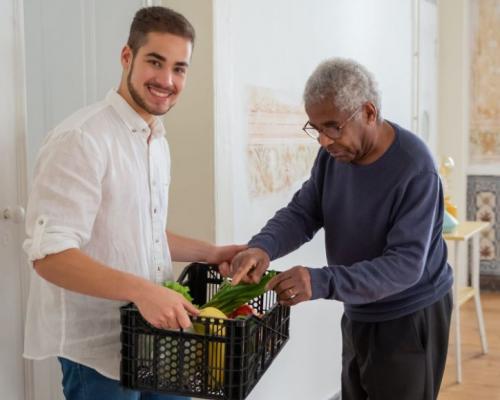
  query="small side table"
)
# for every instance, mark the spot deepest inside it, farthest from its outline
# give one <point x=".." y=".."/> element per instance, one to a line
<point x="459" y="236"/>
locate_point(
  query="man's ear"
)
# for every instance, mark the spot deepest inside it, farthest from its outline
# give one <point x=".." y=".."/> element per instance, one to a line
<point x="371" y="112"/>
<point x="126" y="57"/>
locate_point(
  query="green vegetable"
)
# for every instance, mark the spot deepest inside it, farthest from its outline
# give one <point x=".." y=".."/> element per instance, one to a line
<point x="230" y="297"/>
<point x="177" y="287"/>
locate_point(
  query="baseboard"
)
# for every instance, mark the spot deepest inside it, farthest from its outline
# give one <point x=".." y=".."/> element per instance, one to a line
<point x="490" y="282"/>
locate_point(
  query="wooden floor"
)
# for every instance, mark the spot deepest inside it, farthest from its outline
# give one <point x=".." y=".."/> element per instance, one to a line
<point x="480" y="373"/>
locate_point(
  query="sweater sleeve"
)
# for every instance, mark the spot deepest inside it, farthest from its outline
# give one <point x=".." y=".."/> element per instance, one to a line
<point x="296" y="223"/>
<point x="417" y="222"/>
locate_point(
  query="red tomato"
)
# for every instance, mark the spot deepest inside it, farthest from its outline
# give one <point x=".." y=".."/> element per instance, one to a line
<point x="243" y="310"/>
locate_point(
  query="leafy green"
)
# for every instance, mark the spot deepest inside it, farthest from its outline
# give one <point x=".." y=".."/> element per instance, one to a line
<point x="177" y="287"/>
<point x="228" y="298"/>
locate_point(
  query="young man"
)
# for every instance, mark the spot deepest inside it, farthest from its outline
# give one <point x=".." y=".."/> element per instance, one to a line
<point x="97" y="215"/>
<point x="375" y="190"/>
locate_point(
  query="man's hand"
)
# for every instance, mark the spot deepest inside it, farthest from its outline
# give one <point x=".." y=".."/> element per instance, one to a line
<point x="163" y="308"/>
<point x="247" y="266"/>
<point x="292" y="286"/>
<point x="183" y="248"/>
<point x="224" y="254"/>
<point x="76" y="271"/>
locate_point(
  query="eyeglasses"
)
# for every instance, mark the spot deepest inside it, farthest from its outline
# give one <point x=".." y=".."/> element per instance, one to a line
<point x="331" y="131"/>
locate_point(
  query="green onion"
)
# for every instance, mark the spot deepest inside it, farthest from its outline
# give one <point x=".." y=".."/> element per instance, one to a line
<point x="228" y="298"/>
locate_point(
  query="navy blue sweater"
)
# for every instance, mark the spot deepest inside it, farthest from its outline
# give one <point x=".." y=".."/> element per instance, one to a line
<point x="383" y="231"/>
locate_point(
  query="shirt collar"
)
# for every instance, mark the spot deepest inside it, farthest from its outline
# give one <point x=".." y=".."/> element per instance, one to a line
<point x="132" y="119"/>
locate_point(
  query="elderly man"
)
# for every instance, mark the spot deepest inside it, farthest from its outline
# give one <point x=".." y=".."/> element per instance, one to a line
<point x="375" y="190"/>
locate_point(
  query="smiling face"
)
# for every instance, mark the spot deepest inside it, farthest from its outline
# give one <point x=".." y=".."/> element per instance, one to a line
<point x="356" y="141"/>
<point x="155" y="76"/>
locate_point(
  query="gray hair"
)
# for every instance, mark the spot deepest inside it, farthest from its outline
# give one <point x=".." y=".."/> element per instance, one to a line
<point x="344" y="82"/>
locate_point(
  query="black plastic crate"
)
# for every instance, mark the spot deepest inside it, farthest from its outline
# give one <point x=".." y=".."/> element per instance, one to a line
<point x="221" y="359"/>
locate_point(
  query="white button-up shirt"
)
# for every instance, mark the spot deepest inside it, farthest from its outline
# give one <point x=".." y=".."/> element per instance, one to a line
<point x="100" y="187"/>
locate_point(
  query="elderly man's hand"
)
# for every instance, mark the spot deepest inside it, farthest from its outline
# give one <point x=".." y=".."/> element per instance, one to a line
<point x="247" y="266"/>
<point x="292" y="286"/>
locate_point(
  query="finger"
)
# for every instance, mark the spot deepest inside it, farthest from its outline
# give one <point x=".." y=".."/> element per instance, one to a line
<point x="246" y="279"/>
<point x="256" y="273"/>
<point x="191" y="309"/>
<point x="243" y="269"/>
<point x="293" y="301"/>
<point x="288" y="303"/>
<point x="224" y="269"/>
<point x="285" y="294"/>
<point x="240" y="247"/>
<point x="162" y="323"/>
<point x="171" y="319"/>
<point x="288" y="293"/>
<point x="156" y="324"/>
<point x="285" y="289"/>
<point x="273" y="282"/>
<point x="183" y="320"/>
<point x="230" y="252"/>
<point x="277" y="280"/>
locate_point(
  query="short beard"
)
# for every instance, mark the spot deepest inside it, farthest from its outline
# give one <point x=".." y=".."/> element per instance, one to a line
<point x="137" y="98"/>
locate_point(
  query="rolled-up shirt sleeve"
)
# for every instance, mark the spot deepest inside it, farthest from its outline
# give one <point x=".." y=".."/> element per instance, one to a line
<point x="65" y="194"/>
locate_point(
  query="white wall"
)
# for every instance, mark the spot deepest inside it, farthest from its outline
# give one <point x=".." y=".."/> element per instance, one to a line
<point x="453" y="101"/>
<point x="277" y="45"/>
<point x="190" y="133"/>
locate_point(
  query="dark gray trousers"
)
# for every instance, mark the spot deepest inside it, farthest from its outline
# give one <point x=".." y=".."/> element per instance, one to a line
<point x="400" y="359"/>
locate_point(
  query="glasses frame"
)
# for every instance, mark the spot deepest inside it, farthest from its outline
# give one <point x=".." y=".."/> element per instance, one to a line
<point x="331" y="132"/>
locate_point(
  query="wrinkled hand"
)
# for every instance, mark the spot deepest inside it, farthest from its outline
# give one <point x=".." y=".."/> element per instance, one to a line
<point x="247" y="266"/>
<point x="165" y="309"/>
<point x="224" y="254"/>
<point x="292" y="286"/>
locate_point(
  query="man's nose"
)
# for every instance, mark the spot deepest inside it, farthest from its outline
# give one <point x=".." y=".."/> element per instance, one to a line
<point x="166" y="79"/>
<point x="324" y="140"/>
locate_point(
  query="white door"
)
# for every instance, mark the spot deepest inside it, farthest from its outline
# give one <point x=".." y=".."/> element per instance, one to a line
<point x="12" y="188"/>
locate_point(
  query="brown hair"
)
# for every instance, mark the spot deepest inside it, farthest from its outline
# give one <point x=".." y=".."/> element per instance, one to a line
<point x="158" y="19"/>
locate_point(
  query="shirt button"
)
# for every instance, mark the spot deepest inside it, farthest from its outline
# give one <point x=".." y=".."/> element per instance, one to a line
<point x="157" y="241"/>
<point x="134" y="130"/>
<point x="154" y="211"/>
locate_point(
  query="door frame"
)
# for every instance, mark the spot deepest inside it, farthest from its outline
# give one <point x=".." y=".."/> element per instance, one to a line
<point x="21" y="168"/>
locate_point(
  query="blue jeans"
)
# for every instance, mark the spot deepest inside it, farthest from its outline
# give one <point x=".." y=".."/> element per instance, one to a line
<point x="84" y="383"/>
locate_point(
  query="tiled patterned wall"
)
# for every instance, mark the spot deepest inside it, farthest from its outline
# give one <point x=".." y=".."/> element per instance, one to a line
<point x="483" y="203"/>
